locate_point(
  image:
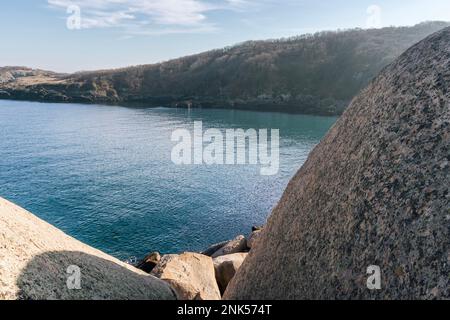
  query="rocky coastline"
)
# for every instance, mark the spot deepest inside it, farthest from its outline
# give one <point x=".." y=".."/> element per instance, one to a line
<point x="40" y="262"/>
<point x="201" y="275"/>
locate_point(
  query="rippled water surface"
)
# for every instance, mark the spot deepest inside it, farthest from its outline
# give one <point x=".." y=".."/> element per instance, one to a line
<point x="103" y="174"/>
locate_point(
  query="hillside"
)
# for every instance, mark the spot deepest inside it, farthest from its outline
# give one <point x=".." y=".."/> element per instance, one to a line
<point x="316" y="74"/>
<point x="375" y="192"/>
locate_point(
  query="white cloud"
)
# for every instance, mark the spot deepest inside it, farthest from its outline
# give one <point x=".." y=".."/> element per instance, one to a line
<point x="150" y="16"/>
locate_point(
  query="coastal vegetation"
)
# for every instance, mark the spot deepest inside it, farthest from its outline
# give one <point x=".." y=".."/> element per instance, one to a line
<point x="313" y="74"/>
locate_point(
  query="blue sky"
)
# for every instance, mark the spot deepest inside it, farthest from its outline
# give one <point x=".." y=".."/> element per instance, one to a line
<point x="115" y="33"/>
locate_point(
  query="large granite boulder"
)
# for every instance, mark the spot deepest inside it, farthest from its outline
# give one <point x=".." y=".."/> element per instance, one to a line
<point x="214" y="248"/>
<point x="40" y="262"/>
<point x="375" y="192"/>
<point x="190" y="274"/>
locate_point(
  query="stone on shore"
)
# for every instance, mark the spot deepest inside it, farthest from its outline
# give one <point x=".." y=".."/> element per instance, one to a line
<point x="40" y="262"/>
<point x="214" y="248"/>
<point x="253" y="238"/>
<point x="239" y="244"/>
<point x="191" y="275"/>
<point x="226" y="267"/>
<point x="149" y="262"/>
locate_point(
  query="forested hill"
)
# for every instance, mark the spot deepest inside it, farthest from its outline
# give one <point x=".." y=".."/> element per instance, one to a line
<point x="315" y="74"/>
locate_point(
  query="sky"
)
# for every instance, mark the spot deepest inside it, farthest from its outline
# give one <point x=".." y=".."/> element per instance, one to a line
<point x="77" y="35"/>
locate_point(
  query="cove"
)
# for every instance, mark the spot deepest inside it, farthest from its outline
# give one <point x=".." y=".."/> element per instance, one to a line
<point x="104" y="175"/>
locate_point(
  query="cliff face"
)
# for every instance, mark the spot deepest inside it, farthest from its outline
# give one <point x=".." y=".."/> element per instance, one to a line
<point x="316" y="74"/>
<point x="38" y="262"/>
<point x="374" y="192"/>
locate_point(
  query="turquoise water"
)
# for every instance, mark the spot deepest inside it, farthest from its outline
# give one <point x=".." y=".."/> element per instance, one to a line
<point x="103" y="174"/>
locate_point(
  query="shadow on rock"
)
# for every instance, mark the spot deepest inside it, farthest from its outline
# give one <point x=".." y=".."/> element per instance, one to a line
<point x="67" y="275"/>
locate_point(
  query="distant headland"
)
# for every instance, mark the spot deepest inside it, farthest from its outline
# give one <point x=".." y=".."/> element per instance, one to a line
<point x="311" y="74"/>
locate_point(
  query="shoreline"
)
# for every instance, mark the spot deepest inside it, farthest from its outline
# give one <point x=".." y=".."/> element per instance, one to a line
<point x="149" y="105"/>
<point x="48" y="253"/>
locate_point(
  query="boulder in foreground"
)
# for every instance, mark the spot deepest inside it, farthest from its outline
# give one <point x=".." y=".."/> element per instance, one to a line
<point x="40" y="262"/>
<point x="190" y="274"/>
<point x="375" y="192"/>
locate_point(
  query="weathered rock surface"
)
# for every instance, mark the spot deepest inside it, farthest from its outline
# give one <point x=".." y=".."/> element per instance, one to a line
<point x="374" y="192"/>
<point x="35" y="257"/>
<point x="190" y="274"/>
<point x="239" y="244"/>
<point x="226" y="268"/>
